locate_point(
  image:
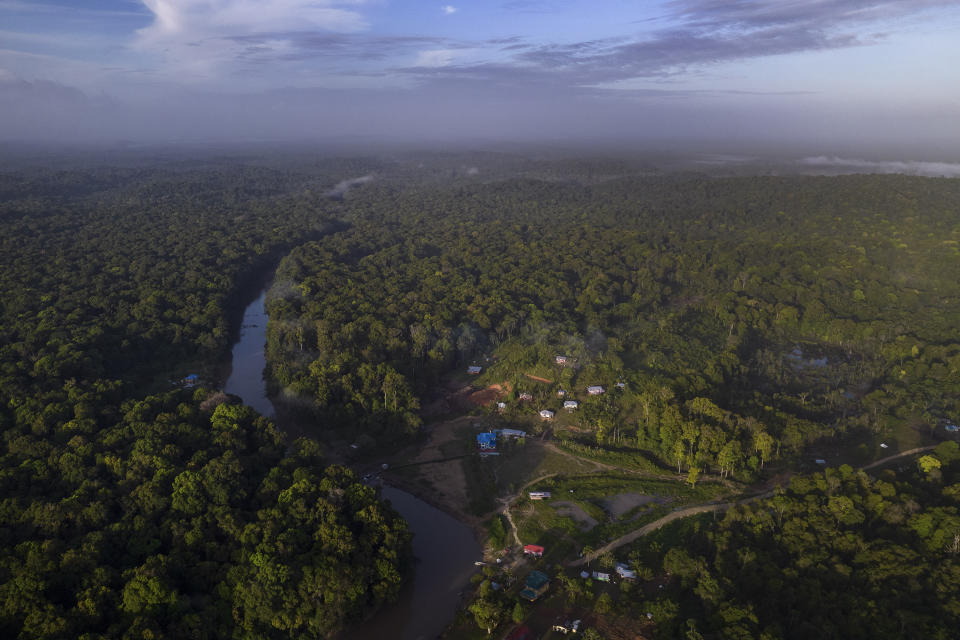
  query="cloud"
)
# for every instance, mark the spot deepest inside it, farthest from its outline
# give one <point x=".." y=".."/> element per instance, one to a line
<point x="202" y="40"/>
<point x="693" y="34"/>
<point x="308" y="42"/>
<point x="819" y="14"/>
<point x="235" y="17"/>
<point x="341" y="188"/>
<point x="435" y="58"/>
<point x="856" y="165"/>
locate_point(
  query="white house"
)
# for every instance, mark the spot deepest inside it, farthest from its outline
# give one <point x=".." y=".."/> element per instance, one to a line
<point x="474" y="370"/>
<point x="570" y="405"/>
<point x="546" y="414"/>
<point x="595" y="390"/>
<point x="526" y="396"/>
<point x="513" y="433"/>
<point x="626" y="572"/>
<point x="560" y="359"/>
<point x="539" y="495"/>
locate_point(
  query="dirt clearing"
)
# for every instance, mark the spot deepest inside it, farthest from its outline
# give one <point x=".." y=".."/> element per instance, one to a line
<point x="538" y="378"/>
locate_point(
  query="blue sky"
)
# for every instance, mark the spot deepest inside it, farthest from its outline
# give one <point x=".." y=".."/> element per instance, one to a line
<point x="807" y="69"/>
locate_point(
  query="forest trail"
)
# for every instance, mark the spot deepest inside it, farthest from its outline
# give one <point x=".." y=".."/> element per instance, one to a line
<point x="705" y="508"/>
<point x="507" y="501"/>
<point x="909" y="452"/>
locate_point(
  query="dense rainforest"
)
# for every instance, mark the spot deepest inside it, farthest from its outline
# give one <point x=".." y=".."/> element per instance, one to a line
<point x="738" y="325"/>
<point x="736" y="320"/>
<point x="132" y="510"/>
<point x="837" y="554"/>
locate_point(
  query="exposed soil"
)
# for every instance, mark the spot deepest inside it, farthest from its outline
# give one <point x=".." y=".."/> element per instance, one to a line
<point x="487" y="396"/>
<point x="538" y="378"/>
<point x="447" y="479"/>
<point x="463" y="398"/>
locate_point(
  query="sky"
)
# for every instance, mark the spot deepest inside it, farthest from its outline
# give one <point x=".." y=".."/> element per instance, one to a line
<point x="828" y="74"/>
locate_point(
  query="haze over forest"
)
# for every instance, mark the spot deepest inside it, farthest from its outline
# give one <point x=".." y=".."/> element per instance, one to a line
<point x="854" y="78"/>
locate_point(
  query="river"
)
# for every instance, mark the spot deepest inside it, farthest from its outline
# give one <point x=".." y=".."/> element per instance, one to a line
<point x="248" y="360"/>
<point x="444" y="547"/>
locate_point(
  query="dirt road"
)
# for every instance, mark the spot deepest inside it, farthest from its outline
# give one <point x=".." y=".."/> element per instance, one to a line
<point x="705" y="508"/>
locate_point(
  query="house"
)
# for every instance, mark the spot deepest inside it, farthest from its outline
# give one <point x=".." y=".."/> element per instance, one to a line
<point x="952" y="428"/>
<point x="513" y="433"/>
<point x="536" y="585"/>
<point x="595" y="390"/>
<point x="191" y="381"/>
<point x="539" y="495"/>
<point x="526" y="396"/>
<point x="546" y="414"/>
<point x="561" y="360"/>
<point x="534" y="550"/>
<point x="561" y="393"/>
<point x="626" y="572"/>
<point x="621" y="385"/>
<point x="567" y="627"/>
<point x="473" y="370"/>
<point x="602" y="577"/>
<point x="486" y="441"/>
<point x="820" y="461"/>
<point x="570" y="405"/>
<point x="501" y="405"/>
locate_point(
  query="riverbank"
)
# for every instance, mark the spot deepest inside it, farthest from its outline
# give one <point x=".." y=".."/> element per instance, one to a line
<point x="445" y="543"/>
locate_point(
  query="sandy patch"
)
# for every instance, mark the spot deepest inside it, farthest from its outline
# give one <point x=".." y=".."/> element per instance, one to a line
<point x="447" y="478"/>
<point x="569" y="509"/>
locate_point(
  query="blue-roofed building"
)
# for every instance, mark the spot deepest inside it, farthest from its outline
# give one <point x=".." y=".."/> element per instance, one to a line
<point x="486" y="441"/>
<point x="536" y="585"/>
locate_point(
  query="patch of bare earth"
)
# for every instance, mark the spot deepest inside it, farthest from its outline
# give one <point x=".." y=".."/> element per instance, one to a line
<point x="465" y="398"/>
<point x="446" y="478"/>
<point x="538" y="378"/>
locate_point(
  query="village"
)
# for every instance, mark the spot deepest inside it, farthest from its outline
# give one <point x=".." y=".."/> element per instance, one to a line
<point x="566" y="526"/>
<point x="496" y="458"/>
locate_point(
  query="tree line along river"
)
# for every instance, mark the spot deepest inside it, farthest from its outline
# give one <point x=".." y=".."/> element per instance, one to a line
<point x="444" y="547"/>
